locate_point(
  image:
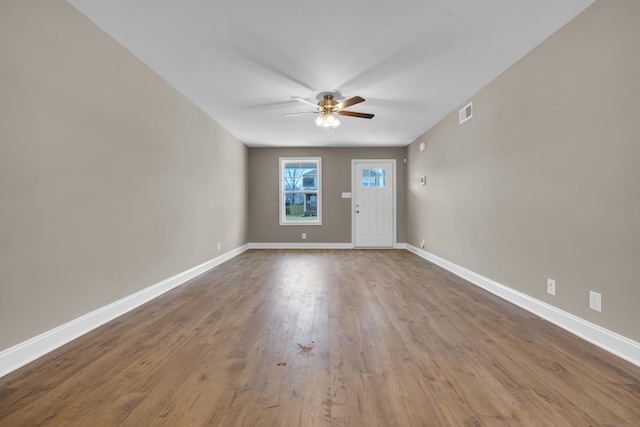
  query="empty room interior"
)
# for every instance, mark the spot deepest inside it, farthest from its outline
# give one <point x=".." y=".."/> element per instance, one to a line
<point x="413" y="213"/>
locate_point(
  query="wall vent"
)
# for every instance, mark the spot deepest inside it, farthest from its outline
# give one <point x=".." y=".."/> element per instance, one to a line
<point x="466" y="113"/>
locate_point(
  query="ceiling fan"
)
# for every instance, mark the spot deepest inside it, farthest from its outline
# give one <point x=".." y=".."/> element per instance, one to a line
<point x="327" y="107"/>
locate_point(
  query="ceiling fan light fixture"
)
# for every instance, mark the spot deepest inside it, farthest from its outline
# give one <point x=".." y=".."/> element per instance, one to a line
<point x="327" y="121"/>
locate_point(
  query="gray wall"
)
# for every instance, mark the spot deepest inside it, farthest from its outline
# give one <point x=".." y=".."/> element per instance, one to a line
<point x="336" y="178"/>
<point x="543" y="181"/>
<point x="110" y="180"/>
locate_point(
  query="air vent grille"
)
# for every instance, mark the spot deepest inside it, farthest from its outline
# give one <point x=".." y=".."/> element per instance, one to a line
<point x="466" y="113"/>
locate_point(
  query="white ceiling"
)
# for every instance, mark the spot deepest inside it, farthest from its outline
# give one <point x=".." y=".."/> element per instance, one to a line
<point x="414" y="61"/>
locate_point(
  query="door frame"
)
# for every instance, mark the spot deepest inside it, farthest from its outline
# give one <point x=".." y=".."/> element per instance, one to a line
<point x="394" y="225"/>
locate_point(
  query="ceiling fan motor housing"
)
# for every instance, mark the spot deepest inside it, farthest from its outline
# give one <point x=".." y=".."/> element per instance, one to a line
<point x="328" y="103"/>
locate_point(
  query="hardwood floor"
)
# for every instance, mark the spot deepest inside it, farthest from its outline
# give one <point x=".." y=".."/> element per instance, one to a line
<point x="317" y="338"/>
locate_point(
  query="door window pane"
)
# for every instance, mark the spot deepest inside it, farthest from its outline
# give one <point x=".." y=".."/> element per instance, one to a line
<point x="374" y="178"/>
<point x="380" y="173"/>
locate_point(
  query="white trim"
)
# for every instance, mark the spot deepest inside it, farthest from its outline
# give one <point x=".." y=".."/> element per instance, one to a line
<point x="315" y="246"/>
<point x="300" y="246"/>
<point x="33" y="348"/>
<point x="282" y="207"/>
<point x="19" y="355"/>
<point x="354" y="183"/>
<point x="612" y="342"/>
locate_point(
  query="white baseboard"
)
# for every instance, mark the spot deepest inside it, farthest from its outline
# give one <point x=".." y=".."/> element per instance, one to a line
<point x="300" y="246"/>
<point x="313" y="246"/>
<point x="31" y="349"/>
<point x="614" y="343"/>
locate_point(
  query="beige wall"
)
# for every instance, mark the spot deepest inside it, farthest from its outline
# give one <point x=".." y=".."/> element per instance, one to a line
<point x="110" y="180"/>
<point x="543" y="181"/>
<point x="336" y="178"/>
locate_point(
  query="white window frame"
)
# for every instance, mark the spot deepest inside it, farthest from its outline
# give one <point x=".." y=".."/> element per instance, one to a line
<point x="282" y="191"/>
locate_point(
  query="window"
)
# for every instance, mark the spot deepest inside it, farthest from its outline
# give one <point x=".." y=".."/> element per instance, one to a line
<point x="374" y="178"/>
<point x="300" y="191"/>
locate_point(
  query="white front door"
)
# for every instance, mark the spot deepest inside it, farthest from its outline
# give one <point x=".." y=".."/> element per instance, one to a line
<point x="373" y="204"/>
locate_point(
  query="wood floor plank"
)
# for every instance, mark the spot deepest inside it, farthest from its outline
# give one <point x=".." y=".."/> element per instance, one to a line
<point x="325" y="338"/>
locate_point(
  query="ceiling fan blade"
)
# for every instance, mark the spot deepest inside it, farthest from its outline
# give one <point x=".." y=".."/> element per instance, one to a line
<point x="297" y="114"/>
<point x="349" y="102"/>
<point x="304" y="101"/>
<point x="354" y="114"/>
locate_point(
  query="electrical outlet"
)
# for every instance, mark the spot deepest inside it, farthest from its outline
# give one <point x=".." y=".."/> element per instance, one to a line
<point x="219" y="246"/>
<point x="422" y="244"/>
<point x="551" y="287"/>
<point x="595" y="301"/>
<point x="304" y="236"/>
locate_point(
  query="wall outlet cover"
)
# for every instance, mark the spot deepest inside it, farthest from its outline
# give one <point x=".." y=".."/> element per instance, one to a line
<point x="551" y="287"/>
<point x="595" y="301"/>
